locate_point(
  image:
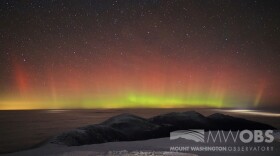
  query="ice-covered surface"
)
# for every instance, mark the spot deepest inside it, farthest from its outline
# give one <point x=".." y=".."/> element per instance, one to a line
<point x="127" y="153"/>
<point x="152" y="147"/>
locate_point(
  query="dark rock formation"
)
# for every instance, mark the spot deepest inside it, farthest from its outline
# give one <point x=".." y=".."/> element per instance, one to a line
<point x="89" y="135"/>
<point x="182" y="120"/>
<point x="127" y="127"/>
<point x="134" y="127"/>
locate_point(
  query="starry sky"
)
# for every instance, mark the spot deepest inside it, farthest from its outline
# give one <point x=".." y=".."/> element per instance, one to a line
<point x="139" y="53"/>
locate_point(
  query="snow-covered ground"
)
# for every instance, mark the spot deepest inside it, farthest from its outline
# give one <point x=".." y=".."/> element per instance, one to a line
<point x="152" y="147"/>
<point x="108" y="138"/>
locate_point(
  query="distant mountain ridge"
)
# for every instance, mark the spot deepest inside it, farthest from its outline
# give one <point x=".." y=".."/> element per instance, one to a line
<point x="128" y="127"/>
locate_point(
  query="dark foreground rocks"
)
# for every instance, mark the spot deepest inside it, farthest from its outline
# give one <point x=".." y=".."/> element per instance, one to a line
<point x="127" y="127"/>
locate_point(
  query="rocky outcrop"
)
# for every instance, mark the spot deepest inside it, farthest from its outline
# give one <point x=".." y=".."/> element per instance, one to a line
<point x="127" y="127"/>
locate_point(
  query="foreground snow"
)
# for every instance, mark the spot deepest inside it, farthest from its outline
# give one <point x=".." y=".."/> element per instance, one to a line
<point x="152" y="147"/>
<point x="127" y="153"/>
<point x="110" y="138"/>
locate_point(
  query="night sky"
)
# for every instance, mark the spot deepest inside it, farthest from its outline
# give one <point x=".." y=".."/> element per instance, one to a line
<point x="115" y="54"/>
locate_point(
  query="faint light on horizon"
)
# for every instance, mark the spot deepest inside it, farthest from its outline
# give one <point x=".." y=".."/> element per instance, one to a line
<point x="252" y="112"/>
<point x="56" y="111"/>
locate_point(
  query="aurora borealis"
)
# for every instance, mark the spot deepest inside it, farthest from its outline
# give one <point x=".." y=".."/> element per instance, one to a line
<point x="146" y="54"/>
